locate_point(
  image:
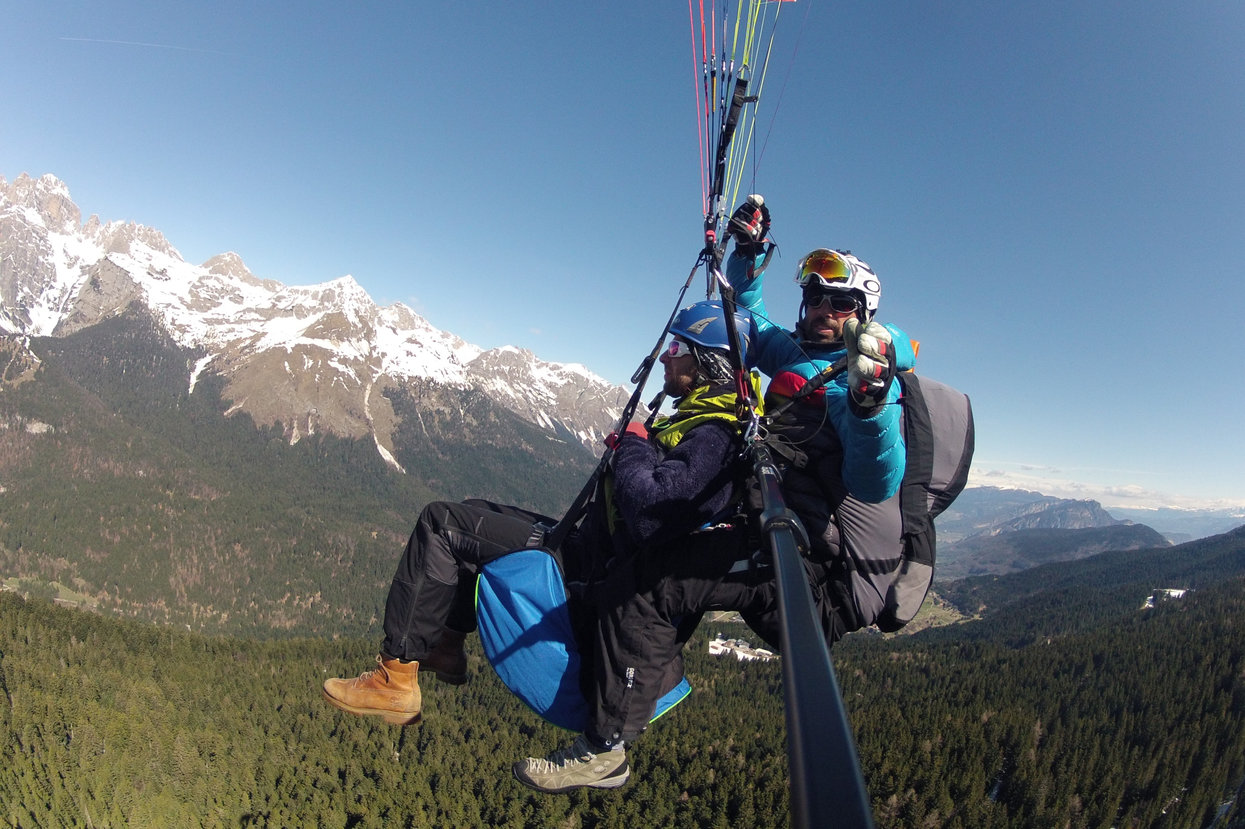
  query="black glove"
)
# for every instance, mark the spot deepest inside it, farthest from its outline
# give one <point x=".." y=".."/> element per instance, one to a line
<point x="749" y="225"/>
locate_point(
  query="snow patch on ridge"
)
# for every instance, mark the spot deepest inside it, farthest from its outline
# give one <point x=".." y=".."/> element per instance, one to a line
<point x="200" y="364"/>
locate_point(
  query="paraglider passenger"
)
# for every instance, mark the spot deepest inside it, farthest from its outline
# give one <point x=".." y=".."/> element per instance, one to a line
<point x="675" y="491"/>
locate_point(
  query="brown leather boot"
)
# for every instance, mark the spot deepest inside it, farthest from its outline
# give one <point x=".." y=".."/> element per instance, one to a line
<point x="391" y="692"/>
<point x="447" y="659"/>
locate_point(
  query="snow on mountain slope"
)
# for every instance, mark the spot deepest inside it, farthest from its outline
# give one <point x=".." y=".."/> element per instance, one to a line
<point x="312" y="357"/>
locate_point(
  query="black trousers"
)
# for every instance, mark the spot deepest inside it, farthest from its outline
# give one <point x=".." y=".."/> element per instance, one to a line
<point x="647" y="609"/>
<point x="434" y="586"/>
<point x="638" y="616"/>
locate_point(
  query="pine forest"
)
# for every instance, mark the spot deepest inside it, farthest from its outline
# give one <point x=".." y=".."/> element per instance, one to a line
<point x="1139" y="723"/>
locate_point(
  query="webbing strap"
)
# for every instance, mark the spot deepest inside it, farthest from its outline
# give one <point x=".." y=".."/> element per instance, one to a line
<point x="817" y="381"/>
<point x="580" y="505"/>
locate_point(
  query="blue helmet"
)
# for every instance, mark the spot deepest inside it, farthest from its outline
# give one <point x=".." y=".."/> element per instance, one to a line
<point x="704" y="324"/>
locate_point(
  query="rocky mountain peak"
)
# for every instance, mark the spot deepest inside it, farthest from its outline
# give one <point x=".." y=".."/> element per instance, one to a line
<point x="48" y="197"/>
<point x="123" y="237"/>
<point x="230" y="266"/>
<point x="1060" y="513"/>
<point x="283" y="351"/>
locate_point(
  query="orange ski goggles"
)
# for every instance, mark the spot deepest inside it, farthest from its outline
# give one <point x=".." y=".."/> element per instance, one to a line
<point x="823" y="267"/>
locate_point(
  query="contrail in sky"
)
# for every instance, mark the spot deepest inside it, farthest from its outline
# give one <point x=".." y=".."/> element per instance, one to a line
<point x="145" y="45"/>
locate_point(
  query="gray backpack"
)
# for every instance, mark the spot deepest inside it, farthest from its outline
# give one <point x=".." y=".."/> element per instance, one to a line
<point x="938" y="432"/>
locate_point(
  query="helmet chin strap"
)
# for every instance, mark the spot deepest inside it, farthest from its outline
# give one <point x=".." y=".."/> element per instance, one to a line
<point x="712" y="365"/>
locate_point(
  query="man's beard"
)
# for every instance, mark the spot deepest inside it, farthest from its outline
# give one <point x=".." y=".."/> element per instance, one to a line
<point x="676" y="388"/>
<point x="808" y="334"/>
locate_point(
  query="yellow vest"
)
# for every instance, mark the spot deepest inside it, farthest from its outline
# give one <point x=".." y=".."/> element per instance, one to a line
<point x="696" y="408"/>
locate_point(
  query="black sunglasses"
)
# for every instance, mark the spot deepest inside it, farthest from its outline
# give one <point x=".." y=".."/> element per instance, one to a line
<point x="840" y="302"/>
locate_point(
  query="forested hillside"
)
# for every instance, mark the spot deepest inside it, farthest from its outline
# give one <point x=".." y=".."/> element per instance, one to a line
<point x="1056" y="599"/>
<point x="1138" y="721"/>
<point x="1017" y="550"/>
<point x="139" y="498"/>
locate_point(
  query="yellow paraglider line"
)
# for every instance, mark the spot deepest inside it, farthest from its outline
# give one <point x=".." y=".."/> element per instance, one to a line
<point x="746" y="145"/>
<point x="739" y="60"/>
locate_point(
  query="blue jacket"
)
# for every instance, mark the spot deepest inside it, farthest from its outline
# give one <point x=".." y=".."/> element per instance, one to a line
<point x="873" y="447"/>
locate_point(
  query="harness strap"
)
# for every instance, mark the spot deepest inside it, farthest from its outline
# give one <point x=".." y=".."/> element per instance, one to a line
<point x="579" y="506"/>
<point x="816" y="382"/>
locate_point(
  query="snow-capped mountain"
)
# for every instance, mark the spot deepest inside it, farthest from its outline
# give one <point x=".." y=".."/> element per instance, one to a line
<point x="313" y="357"/>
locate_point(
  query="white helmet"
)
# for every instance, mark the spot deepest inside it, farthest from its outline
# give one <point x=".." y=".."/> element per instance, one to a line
<point x="839" y="270"/>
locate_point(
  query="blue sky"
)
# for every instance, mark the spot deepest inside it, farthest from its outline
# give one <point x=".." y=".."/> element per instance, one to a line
<point x="1053" y="194"/>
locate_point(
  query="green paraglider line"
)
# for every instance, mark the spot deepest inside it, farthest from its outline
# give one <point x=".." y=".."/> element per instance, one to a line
<point x="827" y="786"/>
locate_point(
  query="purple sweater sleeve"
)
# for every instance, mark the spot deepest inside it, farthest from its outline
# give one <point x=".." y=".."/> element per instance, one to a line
<point x="662" y="496"/>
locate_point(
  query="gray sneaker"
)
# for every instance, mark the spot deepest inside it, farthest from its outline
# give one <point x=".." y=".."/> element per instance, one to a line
<point x="572" y="767"/>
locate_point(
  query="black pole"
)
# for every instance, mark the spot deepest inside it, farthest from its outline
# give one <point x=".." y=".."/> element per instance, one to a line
<point x="827" y="787"/>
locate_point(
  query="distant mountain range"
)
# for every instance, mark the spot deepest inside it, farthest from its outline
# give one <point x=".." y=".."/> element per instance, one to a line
<point x="194" y="445"/>
<point x="1010" y="552"/>
<point x="1059" y="597"/>
<point x="988" y="530"/>
<point x="314" y="359"/>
